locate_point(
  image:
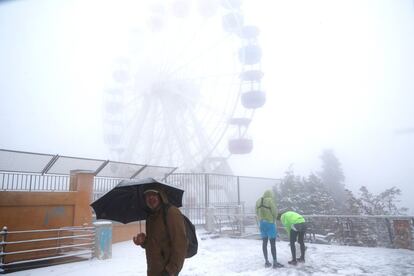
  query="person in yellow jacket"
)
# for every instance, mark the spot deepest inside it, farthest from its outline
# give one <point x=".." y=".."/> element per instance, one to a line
<point x="266" y="213"/>
<point x="295" y="226"/>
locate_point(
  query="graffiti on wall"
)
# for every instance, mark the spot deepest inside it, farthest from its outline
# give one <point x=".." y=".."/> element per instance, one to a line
<point x="402" y="234"/>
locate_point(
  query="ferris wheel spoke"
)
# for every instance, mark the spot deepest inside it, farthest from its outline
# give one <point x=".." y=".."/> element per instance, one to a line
<point x="202" y="77"/>
<point x="202" y="140"/>
<point x="161" y="148"/>
<point x="230" y="82"/>
<point x="134" y="102"/>
<point x="226" y="126"/>
<point x="184" y="46"/>
<point x="183" y="140"/>
<point x="177" y="131"/>
<point x="149" y="134"/>
<point x="137" y="127"/>
<point x="214" y="110"/>
<point x="194" y="58"/>
<point x="164" y="143"/>
<point x="170" y="142"/>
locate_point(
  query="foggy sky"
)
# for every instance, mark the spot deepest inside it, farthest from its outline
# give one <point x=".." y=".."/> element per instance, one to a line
<point x="338" y="75"/>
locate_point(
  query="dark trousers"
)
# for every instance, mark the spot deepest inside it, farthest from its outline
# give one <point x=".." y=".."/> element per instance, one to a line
<point x="272" y="248"/>
<point x="297" y="235"/>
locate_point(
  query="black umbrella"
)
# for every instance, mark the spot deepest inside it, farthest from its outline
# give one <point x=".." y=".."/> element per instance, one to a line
<point x="125" y="203"/>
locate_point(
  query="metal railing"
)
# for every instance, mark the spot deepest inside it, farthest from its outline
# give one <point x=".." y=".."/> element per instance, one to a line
<point x="381" y="231"/>
<point x="32" y="248"/>
<point x="236" y="225"/>
<point x="27" y="171"/>
<point x="33" y="182"/>
<point x="102" y="185"/>
<point x="14" y="165"/>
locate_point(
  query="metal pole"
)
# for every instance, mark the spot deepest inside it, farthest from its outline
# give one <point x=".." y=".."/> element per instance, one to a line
<point x="58" y="243"/>
<point x="206" y="198"/>
<point x="3" y="234"/>
<point x="206" y="190"/>
<point x="238" y="190"/>
<point x="30" y="185"/>
<point x="168" y="174"/>
<point x="138" y="172"/>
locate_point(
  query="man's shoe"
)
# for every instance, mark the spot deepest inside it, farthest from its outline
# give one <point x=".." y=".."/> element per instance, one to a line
<point x="277" y="265"/>
<point x="293" y="262"/>
<point x="267" y="264"/>
<point x="301" y="260"/>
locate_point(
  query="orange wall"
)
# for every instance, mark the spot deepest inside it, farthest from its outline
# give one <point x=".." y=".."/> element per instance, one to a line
<point x="32" y="211"/>
<point x="45" y="210"/>
<point x="36" y="210"/>
<point x="125" y="232"/>
<point x="52" y="210"/>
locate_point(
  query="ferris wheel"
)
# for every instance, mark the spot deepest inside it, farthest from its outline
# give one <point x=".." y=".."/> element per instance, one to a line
<point x="184" y="89"/>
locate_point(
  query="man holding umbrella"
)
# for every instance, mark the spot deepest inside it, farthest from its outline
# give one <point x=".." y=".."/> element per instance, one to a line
<point x="165" y="240"/>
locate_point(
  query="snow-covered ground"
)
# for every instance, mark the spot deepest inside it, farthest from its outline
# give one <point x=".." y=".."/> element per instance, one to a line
<point x="228" y="256"/>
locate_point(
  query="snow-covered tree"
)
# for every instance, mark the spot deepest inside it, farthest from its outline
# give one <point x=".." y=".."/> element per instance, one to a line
<point x="352" y="204"/>
<point x="304" y="195"/>
<point x="333" y="177"/>
<point x="385" y="203"/>
<point x="290" y="192"/>
<point x="388" y="200"/>
<point x="316" y="198"/>
<point x="369" y="204"/>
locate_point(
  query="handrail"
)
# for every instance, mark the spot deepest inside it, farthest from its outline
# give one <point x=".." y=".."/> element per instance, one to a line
<point x="46" y="258"/>
<point x="46" y="239"/>
<point x="75" y="228"/>
<point x="78" y="241"/>
<point x="45" y="249"/>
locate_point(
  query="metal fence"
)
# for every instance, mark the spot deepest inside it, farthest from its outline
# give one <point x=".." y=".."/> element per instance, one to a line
<point x="28" y="171"/>
<point x="33" y="182"/>
<point x="383" y="230"/>
<point x="228" y="194"/>
<point x="204" y="190"/>
<point x="33" y="248"/>
<point x="102" y="185"/>
<point x="252" y="188"/>
<point x="236" y="224"/>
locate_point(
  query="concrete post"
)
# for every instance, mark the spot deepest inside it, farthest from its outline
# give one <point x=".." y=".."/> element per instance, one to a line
<point x="82" y="183"/>
<point x="103" y="239"/>
<point x="210" y="225"/>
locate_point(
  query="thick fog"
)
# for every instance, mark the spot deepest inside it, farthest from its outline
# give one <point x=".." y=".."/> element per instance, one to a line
<point x="337" y="75"/>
